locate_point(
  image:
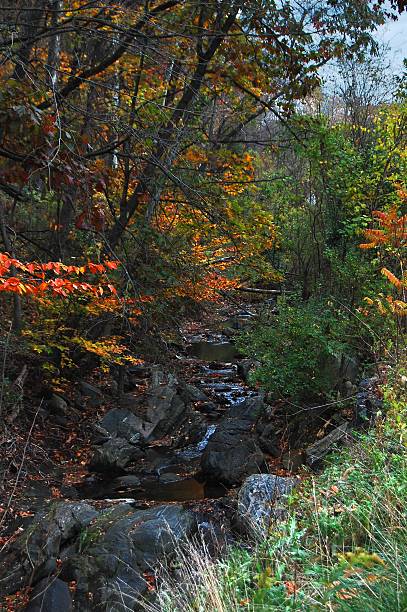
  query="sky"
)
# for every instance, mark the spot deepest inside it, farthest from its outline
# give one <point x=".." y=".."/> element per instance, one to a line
<point x="394" y="34"/>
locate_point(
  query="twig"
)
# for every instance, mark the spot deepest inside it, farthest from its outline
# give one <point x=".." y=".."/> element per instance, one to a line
<point x="20" y="466"/>
<point x="3" y="371"/>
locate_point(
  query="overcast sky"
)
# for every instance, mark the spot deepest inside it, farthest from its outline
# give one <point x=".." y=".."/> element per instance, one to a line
<point x="394" y="33"/>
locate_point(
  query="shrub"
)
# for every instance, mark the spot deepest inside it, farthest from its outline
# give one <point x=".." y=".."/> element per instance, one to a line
<point x="294" y="348"/>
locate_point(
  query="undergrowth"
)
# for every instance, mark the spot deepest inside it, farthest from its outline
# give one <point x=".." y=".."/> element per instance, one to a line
<point x="343" y="546"/>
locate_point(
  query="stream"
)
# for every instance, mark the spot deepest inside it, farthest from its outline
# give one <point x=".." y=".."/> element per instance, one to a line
<point x="169" y="474"/>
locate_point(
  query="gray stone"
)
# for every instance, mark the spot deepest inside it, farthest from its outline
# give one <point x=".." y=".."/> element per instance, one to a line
<point x="94" y="394"/>
<point x="232" y="453"/>
<point x="122" y="424"/>
<point x="250" y="409"/>
<point x="318" y="451"/>
<point x="190" y="393"/>
<point x="50" y="595"/>
<point x="115" y="454"/>
<point x="57" y="405"/>
<point x="118" y="548"/>
<point x="40" y="544"/>
<point x="261" y="501"/>
<point x="164" y="410"/>
<point x="245" y="367"/>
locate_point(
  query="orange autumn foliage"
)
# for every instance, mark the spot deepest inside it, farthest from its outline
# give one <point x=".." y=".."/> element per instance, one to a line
<point x="33" y="278"/>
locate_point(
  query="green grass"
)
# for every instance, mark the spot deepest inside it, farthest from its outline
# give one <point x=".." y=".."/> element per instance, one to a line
<point x="342" y="548"/>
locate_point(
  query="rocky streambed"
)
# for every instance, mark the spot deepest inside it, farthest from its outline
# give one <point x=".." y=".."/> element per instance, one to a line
<point x="174" y="459"/>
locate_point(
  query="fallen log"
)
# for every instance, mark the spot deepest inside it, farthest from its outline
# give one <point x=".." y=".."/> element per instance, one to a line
<point x="255" y="290"/>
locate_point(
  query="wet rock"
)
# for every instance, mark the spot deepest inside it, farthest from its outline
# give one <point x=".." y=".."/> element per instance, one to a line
<point x="40" y="544"/>
<point x="318" y="451"/>
<point x="122" y="424"/>
<point x="262" y="500"/>
<point x="115" y="454"/>
<point x="232" y="453"/>
<point x="50" y="595"/>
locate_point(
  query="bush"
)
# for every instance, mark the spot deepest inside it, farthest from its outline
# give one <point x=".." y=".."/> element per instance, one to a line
<point x="294" y="348"/>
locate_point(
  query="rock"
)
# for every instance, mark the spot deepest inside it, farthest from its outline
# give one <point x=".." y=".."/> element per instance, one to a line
<point x="269" y="441"/>
<point x="56" y="405"/>
<point x="158" y="531"/>
<point x="129" y="481"/>
<point x="94" y="394"/>
<point x="245" y="366"/>
<point x="122" y="424"/>
<point x="118" y="548"/>
<point x="170" y="477"/>
<point x="261" y="500"/>
<point x="232" y="453"/>
<point x="338" y="369"/>
<point x="212" y="538"/>
<point x="50" y="595"/>
<point x="164" y="410"/>
<point x="39" y="545"/>
<point x="190" y="393"/>
<point x="115" y="454"/>
<point x="317" y="451"/>
<point x="250" y="409"/>
<point x="192" y="430"/>
<point x="367" y="403"/>
<point x="208" y="408"/>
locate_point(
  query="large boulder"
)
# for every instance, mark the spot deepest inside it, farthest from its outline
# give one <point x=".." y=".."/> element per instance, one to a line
<point x="262" y="500"/>
<point x="160" y="412"/>
<point x="114" y="456"/>
<point x="232" y="453"/>
<point x="104" y="553"/>
<point x="250" y="409"/>
<point x="33" y="556"/>
<point x="50" y="595"/>
<point x="120" y="546"/>
<point x="122" y="424"/>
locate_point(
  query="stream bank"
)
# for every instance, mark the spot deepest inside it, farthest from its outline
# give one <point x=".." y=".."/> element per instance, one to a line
<point x="165" y="464"/>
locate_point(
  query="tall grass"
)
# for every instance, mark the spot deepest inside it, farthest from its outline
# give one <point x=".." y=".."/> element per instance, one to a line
<point x="343" y="546"/>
